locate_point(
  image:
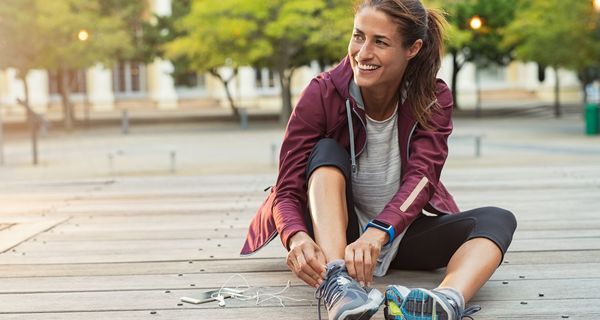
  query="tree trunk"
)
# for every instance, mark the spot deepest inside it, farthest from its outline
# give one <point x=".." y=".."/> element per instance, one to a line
<point x="31" y="118"/>
<point x="456" y="66"/>
<point x="557" y="111"/>
<point x="285" y="79"/>
<point x="64" y="89"/>
<point x="225" y="83"/>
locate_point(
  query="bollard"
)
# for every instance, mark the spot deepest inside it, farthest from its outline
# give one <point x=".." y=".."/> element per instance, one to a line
<point x="273" y="154"/>
<point x="173" y="154"/>
<point x="110" y="163"/>
<point x="125" y="122"/>
<point x="243" y="118"/>
<point x="477" y="146"/>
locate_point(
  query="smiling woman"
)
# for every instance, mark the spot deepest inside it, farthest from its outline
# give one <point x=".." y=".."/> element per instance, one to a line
<point x="361" y="159"/>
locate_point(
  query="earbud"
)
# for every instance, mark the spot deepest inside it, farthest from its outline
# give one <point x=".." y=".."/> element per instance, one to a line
<point x="221" y="300"/>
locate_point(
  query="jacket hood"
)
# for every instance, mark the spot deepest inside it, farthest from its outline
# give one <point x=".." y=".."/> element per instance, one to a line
<point x="341" y="75"/>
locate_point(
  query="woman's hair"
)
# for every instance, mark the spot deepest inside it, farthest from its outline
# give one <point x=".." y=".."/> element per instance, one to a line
<point x="416" y="22"/>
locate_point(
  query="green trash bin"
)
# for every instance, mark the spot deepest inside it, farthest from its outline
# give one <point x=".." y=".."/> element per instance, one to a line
<point x="592" y="119"/>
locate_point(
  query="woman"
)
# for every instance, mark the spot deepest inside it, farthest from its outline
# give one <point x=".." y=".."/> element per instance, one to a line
<point x="361" y="159"/>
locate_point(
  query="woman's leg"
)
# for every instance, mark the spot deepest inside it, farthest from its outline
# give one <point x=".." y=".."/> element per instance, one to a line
<point x="471" y="266"/>
<point x="327" y="206"/>
<point x="330" y="217"/>
<point x="470" y="244"/>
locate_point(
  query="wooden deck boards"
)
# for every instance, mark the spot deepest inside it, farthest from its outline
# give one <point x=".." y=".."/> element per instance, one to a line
<point x="129" y="248"/>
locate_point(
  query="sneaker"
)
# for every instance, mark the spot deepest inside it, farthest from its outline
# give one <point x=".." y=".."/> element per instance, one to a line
<point x="422" y="304"/>
<point x="344" y="298"/>
<point x="394" y="297"/>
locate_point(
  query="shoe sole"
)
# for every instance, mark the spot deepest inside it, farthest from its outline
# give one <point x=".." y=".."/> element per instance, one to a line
<point x="422" y="304"/>
<point x="367" y="310"/>
<point x="393" y="302"/>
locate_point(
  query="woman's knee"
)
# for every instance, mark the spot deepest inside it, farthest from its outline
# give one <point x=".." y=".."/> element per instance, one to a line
<point x="329" y="174"/>
<point x="326" y="156"/>
<point x="506" y="217"/>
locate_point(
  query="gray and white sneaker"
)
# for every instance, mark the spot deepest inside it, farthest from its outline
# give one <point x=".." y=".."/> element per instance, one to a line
<point x="344" y="298"/>
<point x="423" y="304"/>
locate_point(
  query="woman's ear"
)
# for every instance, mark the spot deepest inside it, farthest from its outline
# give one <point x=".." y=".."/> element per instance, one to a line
<point x="414" y="49"/>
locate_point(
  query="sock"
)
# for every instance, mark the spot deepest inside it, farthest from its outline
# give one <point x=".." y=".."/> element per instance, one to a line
<point x="454" y="295"/>
<point x="337" y="262"/>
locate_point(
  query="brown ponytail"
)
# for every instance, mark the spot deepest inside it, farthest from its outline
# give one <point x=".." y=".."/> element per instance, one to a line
<point x="415" y="22"/>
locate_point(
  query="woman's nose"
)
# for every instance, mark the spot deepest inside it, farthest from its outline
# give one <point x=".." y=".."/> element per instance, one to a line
<point x="365" y="52"/>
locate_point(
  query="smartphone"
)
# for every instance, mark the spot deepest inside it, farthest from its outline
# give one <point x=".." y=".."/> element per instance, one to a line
<point x="208" y="296"/>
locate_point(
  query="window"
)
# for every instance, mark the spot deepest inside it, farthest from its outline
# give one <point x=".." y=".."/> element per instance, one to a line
<point x="129" y="78"/>
<point x="265" y="79"/>
<point x="76" y="80"/>
<point x="189" y="80"/>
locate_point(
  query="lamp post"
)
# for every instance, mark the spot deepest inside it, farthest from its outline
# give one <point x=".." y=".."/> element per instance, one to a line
<point x="475" y="23"/>
<point x="83" y="36"/>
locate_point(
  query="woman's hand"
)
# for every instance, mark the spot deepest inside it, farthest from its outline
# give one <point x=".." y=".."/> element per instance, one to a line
<point x="306" y="259"/>
<point x="361" y="255"/>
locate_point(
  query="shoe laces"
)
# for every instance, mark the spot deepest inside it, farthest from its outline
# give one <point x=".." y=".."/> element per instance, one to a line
<point x="462" y="314"/>
<point x="330" y="288"/>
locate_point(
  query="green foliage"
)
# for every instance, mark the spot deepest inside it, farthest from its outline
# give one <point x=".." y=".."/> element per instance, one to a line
<point x="555" y="33"/>
<point x="279" y="34"/>
<point x="483" y="45"/>
<point x="220" y="33"/>
<point x="44" y="34"/>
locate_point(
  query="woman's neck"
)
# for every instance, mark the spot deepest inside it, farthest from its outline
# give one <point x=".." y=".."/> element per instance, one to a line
<point x="379" y="105"/>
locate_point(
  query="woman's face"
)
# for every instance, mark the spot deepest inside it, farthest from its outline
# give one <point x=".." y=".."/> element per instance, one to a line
<point x="378" y="58"/>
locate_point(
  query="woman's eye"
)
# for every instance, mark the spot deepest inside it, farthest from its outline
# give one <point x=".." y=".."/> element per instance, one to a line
<point x="380" y="42"/>
<point x="357" y="36"/>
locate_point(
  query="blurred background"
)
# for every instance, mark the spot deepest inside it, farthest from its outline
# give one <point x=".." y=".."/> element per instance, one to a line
<point x="102" y="69"/>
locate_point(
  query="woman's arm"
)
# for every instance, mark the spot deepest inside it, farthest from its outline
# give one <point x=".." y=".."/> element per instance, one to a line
<point x="305" y="128"/>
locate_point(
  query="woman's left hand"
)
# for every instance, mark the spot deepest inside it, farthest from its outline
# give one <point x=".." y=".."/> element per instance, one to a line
<point x="361" y="255"/>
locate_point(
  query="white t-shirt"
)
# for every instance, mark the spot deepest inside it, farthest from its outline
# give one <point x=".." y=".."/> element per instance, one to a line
<point x="377" y="179"/>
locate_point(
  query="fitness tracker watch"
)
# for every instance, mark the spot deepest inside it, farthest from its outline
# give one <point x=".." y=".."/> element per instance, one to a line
<point x="383" y="227"/>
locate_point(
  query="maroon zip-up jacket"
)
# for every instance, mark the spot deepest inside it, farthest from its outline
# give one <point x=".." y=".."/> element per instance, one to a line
<point x="322" y="112"/>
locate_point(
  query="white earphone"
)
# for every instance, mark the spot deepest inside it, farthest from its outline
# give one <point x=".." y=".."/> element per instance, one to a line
<point x="221" y="300"/>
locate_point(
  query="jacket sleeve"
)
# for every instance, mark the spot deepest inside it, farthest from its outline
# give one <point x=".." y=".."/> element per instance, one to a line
<point x="428" y="150"/>
<point x="304" y="129"/>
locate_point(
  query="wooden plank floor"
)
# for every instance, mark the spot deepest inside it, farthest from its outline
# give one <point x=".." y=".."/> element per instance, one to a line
<point x="129" y="248"/>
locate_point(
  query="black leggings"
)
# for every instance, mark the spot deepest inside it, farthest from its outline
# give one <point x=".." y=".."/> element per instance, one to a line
<point x="430" y="241"/>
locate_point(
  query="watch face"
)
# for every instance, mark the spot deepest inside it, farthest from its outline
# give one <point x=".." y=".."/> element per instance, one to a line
<point x="381" y="224"/>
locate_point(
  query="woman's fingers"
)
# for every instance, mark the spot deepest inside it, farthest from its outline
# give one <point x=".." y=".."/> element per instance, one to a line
<point x="349" y="259"/>
<point x="361" y="259"/>
<point x="306" y="262"/>
<point x="359" y="265"/>
<point x="367" y="267"/>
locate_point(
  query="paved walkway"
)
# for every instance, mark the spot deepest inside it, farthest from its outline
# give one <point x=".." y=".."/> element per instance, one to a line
<point x="83" y="238"/>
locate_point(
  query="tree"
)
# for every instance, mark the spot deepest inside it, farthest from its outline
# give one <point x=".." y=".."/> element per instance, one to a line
<point x="220" y="34"/>
<point x="300" y="31"/>
<point x="277" y="34"/>
<point x="555" y="33"/>
<point x="482" y="47"/>
<point x="60" y="36"/>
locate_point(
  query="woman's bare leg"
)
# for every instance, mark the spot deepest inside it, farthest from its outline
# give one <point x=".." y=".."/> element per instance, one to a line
<point x="471" y="266"/>
<point x="327" y="204"/>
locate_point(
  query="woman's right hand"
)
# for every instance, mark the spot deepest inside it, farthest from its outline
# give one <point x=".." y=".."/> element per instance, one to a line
<point x="306" y="259"/>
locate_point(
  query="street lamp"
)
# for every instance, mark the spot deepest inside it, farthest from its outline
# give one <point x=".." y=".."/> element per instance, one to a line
<point x="476" y="23"/>
<point x="83" y="35"/>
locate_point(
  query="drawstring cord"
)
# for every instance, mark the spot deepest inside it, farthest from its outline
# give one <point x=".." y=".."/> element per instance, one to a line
<point x="351" y="132"/>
